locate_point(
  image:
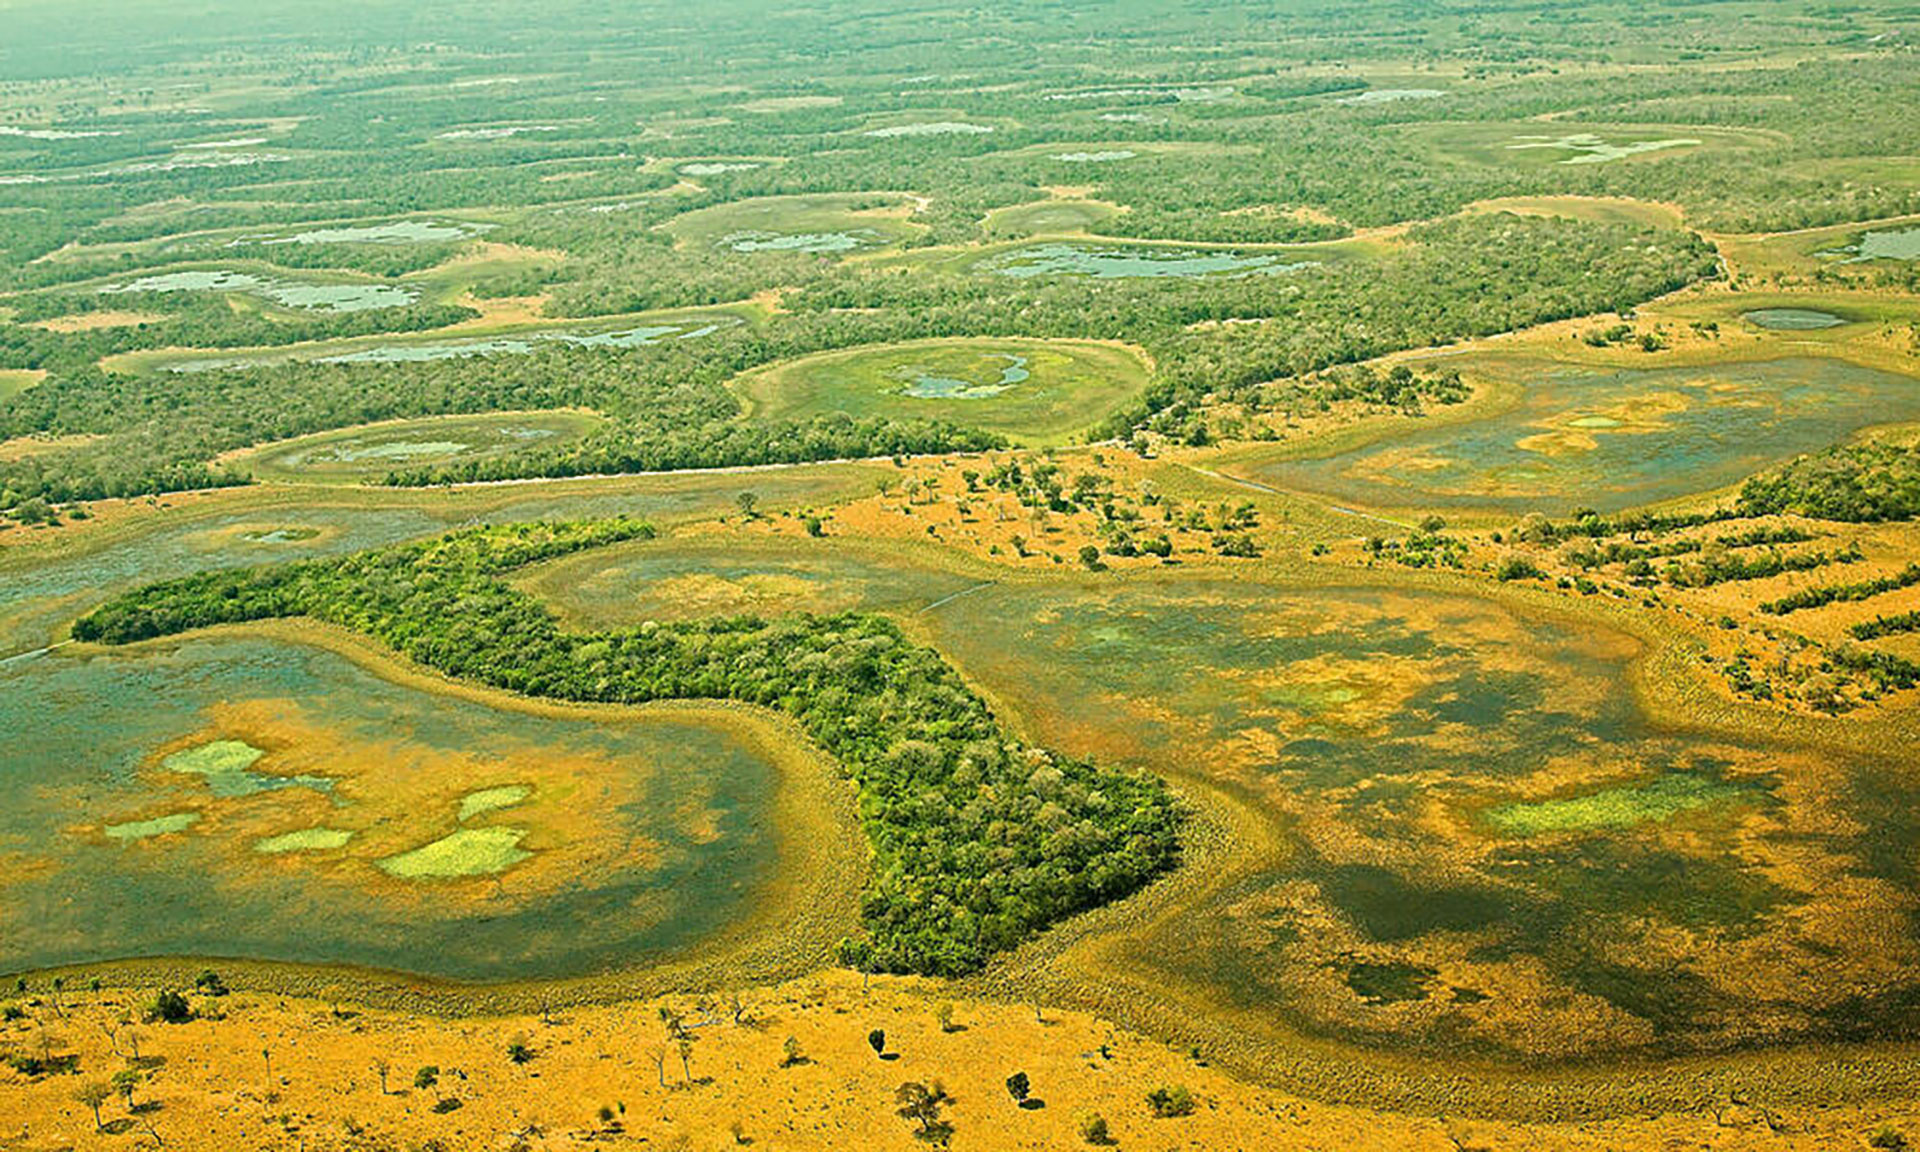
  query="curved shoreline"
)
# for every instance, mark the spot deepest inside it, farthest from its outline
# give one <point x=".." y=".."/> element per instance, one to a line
<point x="821" y="866"/>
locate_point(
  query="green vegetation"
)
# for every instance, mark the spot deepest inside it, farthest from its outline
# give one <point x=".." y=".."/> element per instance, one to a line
<point x="1031" y="391"/>
<point x="1624" y="807"/>
<point x="1865" y="482"/>
<point x="978" y="841"/>
<point x="1825" y="594"/>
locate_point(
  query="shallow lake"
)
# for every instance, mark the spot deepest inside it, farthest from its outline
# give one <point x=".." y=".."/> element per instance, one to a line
<point x="936" y="128"/>
<point x="291" y="293"/>
<point x="416" y="351"/>
<point x="1893" y="244"/>
<point x="925" y="386"/>
<point x="1793" y="319"/>
<point x="602" y="842"/>
<point x="1390" y="95"/>
<point x="1465" y="795"/>
<point x="396" y="232"/>
<point x="1589" y="148"/>
<point x="758" y="241"/>
<point x="1579" y="437"/>
<point x="1115" y="263"/>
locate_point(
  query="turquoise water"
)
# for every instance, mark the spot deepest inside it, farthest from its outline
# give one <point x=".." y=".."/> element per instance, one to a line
<point x="1135" y="263"/>
<point x="927" y="387"/>
<point x="123" y="857"/>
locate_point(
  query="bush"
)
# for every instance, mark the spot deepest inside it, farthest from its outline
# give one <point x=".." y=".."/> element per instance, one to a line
<point x="1168" y="1102"/>
<point x="170" y="1007"/>
<point x="1519" y="568"/>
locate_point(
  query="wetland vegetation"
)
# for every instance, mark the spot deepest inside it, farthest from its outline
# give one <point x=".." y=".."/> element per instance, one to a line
<point x="1374" y="547"/>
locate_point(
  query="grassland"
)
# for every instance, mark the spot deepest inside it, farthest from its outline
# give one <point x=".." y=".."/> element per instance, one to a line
<point x="354" y="455"/>
<point x="1037" y="392"/>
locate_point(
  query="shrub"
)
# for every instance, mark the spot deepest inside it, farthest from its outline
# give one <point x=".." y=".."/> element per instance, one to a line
<point x="1170" y="1101"/>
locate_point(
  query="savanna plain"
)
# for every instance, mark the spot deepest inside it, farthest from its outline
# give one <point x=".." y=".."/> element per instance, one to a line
<point x="1271" y="575"/>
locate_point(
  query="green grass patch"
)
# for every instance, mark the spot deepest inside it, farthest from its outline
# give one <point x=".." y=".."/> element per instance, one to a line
<point x="369" y="452"/>
<point x="1037" y="392"/>
<point x="1661" y="799"/>
<point x="828" y="225"/>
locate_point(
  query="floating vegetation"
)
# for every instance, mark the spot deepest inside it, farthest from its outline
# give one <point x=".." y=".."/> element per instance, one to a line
<point x="492" y="800"/>
<point x="1661" y="799"/>
<point x="1608" y="440"/>
<point x="227" y="767"/>
<point x="304" y="840"/>
<point x="147" y="829"/>
<point x="467" y="852"/>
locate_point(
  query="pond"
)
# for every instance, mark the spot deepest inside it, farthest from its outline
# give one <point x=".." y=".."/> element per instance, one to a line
<point x="239" y="797"/>
<point x="422" y="351"/>
<point x="1608" y="440"/>
<point x="930" y="387"/>
<point x="291" y="293"/>
<point x="1390" y="96"/>
<point x="1892" y="244"/>
<point x="1793" y="319"/>
<point x="754" y="240"/>
<point x="1589" y="148"/>
<point x="394" y="232"/>
<point x="935" y="128"/>
<point x="1118" y="263"/>
<point x="1462" y="790"/>
<point x="371" y="451"/>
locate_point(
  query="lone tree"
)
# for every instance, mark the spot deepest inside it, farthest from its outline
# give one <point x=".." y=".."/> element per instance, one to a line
<point x="790" y="1053"/>
<point x="1019" y="1087"/>
<point x="125" y="1081"/>
<point x="747" y="501"/>
<point x="878" y="1040"/>
<point x="380" y="1069"/>
<point x="922" y="1104"/>
<point x="93" y="1094"/>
